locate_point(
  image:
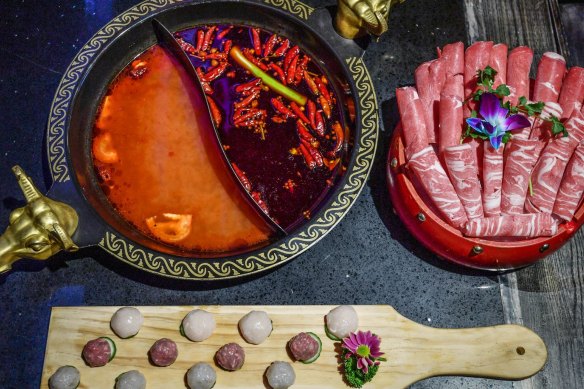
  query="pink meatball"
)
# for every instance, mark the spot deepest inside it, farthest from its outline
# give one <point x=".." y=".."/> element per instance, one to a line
<point x="163" y="352"/>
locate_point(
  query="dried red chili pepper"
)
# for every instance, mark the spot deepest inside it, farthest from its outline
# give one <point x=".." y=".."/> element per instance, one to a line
<point x="314" y="153"/>
<point x="281" y="108"/>
<point x="215" y="112"/>
<point x="340" y="137"/>
<point x="323" y="90"/>
<point x="270" y="43"/>
<point x="280" y="51"/>
<point x="278" y="119"/>
<point x="205" y="85"/>
<point x="246" y="101"/>
<point x="300" y="69"/>
<point x="296" y="109"/>
<point x="248" y="85"/>
<point x="242" y="177"/>
<point x="227" y="46"/>
<point x="304" y="134"/>
<point x="207" y="56"/>
<point x="331" y="163"/>
<point x="185" y="46"/>
<point x="260" y="202"/>
<point x="257" y="45"/>
<point x="254" y="60"/>
<point x="208" y="38"/>
<point x="224" y="32"/>
<point x="215" y="72"/>
<point x="278" y="71"/>
<point x="291" y="70"/>
<point x="311" y="113"/>
<point x="253" y="113"/>
<point x="200" y="38"/>
<point x="311" y="84"/>
<point x="310" y="162"/>
<point x="326" y="108"/>
<point x="290" y="55"/>
<point x="320" y="127"/>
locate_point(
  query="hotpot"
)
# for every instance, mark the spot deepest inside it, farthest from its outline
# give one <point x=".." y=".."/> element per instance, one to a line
<point x="75" y="213"/>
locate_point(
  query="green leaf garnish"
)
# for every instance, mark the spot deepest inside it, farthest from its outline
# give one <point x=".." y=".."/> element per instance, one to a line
<point x="506" y="138"/>
<point x="503" y="90"/>
<point x="354" y="376"/>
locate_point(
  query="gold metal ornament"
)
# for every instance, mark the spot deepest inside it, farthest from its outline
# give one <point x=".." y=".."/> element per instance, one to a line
<point x="38" y="230"/>
<point x="356" y="18"/>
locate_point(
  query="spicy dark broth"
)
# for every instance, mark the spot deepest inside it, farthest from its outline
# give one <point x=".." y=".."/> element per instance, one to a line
<point x="265" y="151"/>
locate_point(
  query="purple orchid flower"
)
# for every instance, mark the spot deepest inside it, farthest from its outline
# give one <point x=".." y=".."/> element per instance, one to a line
<point x="495" y="122"/>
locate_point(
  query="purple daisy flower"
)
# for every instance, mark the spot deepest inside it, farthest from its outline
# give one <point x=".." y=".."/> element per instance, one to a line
<point x="365" y="347"/>
<point x="495" y="122"/>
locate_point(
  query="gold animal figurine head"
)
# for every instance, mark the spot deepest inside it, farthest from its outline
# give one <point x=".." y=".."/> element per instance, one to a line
<point x="356" y="18"/>
<point x="38" y="230"/>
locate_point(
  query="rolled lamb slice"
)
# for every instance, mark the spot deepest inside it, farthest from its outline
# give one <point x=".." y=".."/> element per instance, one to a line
<point x="430" y="78"/>
<point x="476" y="57"/>
<point x="498" y="61"/>
<point x="454" y="86"/>
<point x="453" y="55"/>
<point x="528" y="225"/>
<point x="572" y="92"/>
<point x="548" y="81"/>
<point x="522" y="157"/>
<point x="430" y="175"/>
<point x="463" y="173"/>
<point x="450" y="128"/>
<point x="492" y="179"/>
<point x="518" y="67"/>
<point x="413" y="120"/>
<point x="547" y="174"/>
<point x="572" y="186"/>
<point x="542" y="129"/>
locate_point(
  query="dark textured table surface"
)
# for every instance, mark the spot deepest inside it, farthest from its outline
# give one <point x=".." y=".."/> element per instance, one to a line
<point x="367" y="259"/>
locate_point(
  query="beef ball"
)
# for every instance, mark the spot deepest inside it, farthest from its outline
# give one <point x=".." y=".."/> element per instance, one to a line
<point x="303" y="347"/>
<point x="163" y="352"/>
<point x="98" y="352"/>
<point x="230" y="357"/>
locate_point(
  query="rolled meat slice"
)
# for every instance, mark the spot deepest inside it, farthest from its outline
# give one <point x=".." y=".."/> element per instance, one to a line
<point x="413" y="119"/>
<point x="572" y="92"/>
<point x="498" y="61"/>
<point x="453" y="56"/>
<point x="518" y="67"/>
<point x="575" y="125"/>
<point x="454" y="86"/>
<point x="548" y="81"/>
<point x="476" y="57"/>
<point x="430" y="175"/>
<point x="492" y="179"/>
<point x="542" y="129"/>
<point x="450" y="127"/>
<point x="572" y="187"/>
<point x="464" y="175"/>
<point x="430" y="78"/>
<point x="522" y="157"/>
<point x="529" y="225"/>
<point x="547" y="174"/>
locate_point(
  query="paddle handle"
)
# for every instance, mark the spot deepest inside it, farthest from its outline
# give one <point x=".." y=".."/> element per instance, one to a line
<point x="503" y="351"/>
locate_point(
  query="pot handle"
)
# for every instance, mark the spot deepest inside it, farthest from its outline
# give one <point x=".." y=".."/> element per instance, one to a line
<point x="356" y="18"/>
<point x="40" y="229"/>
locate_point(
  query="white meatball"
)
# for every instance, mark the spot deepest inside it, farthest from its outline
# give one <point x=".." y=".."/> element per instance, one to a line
<point x="201" y="376"/>
<point x="66" y="377"/>
<point x="280" y="375"/>
<point x="342" y="320"/>
<point x="255" y="327"/>
<point x="198" y="325"/>
<point x="132" y="379"/>
<point x="126" y="322"/>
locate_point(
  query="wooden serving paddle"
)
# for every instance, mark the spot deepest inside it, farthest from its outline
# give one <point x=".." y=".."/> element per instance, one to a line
<point x="413" y="351"/>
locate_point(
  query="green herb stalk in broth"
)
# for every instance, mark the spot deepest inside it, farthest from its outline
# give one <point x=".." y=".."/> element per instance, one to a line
<point x="272" y="83"/>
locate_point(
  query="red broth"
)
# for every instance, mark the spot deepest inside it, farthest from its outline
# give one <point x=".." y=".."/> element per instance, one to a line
<point x="157" y="159"/>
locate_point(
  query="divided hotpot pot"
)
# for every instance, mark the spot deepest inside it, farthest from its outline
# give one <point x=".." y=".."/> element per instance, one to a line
<point x="45" y="226"/>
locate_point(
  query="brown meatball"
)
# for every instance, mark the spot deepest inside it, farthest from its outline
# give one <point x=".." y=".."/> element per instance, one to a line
<point x="303" y="346"/>
<point x="96" y="352"/>
<point x="163" y="352"/>
<point x="230" y="357"/>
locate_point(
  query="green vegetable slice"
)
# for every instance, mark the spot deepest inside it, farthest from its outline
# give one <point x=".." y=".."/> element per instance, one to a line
<point x="315" y="357"/>
<point x="112" y="346"/>
<point x="182" y="330"/>
<point x="330" y="335"/>
<point x="271" y="82"/>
